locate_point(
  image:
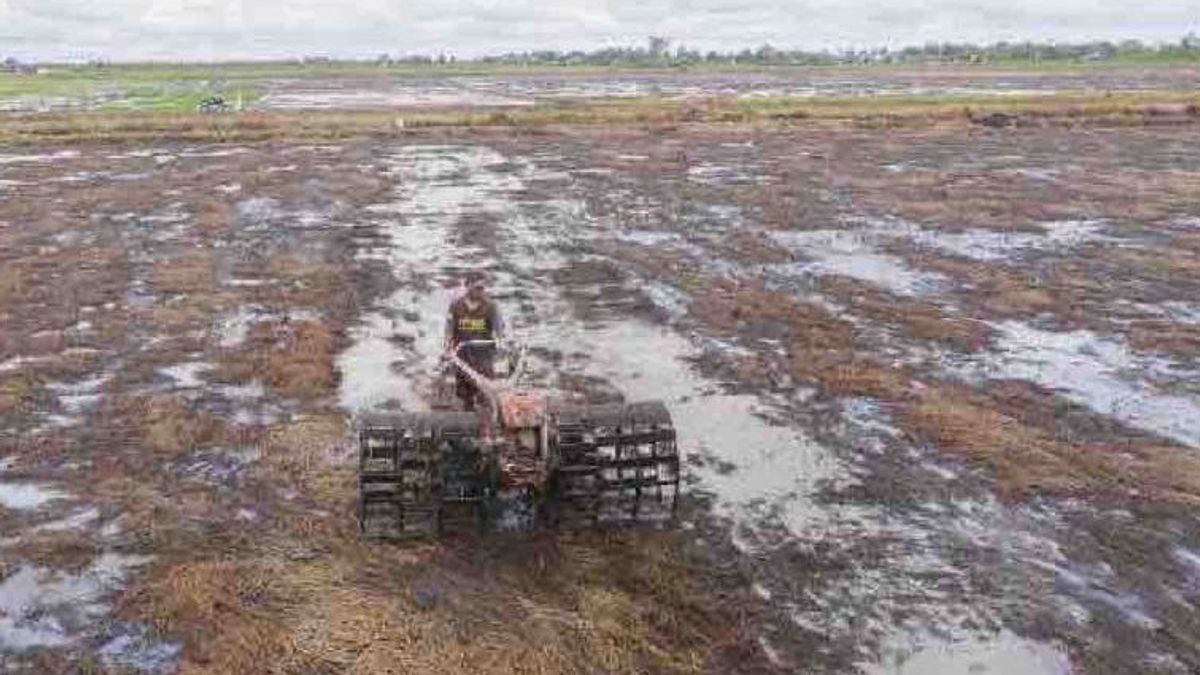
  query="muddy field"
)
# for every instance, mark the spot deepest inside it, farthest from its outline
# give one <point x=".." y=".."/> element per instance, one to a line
<point x="515" y="88"/>
<point x="511" y="90"/>
<point x="545" y="88"/>
<point x="936" y="387"/>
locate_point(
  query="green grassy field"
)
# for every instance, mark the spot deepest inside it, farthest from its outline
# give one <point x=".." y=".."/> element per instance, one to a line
<point x="130" y="88"/>
<point x="166" y="100"/>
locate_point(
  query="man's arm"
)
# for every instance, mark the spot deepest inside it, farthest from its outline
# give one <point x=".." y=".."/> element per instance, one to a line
<point x="448" y="334"/>
<point x="497" y="323"/>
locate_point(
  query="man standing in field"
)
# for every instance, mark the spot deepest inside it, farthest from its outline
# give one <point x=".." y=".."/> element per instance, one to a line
<point x="473" y="316"/>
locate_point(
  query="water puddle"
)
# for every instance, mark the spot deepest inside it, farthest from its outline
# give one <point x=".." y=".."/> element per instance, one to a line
<point x="994" y="245"/>
<point x="724" y="176"/>
<point x="914" y="561"/>
<point x="403" y="96"/>
<point x="594" y="171"/>
<point x="858" y="251"/>
<point x="257" y="212"/>
<point x="246" y="283"/>
<point x="853" y="253"/>
<point x="1039" y="174"/>
<point x="142" y="153"/>
<point x="1181" y="312"/>
<point x="231" y="330"/>
<point x="41" y="607"/>
<point x="1099" y="373"/>
<point x="1190" y="559"/>
<point x="775" y="468"/>
<point x="219" y="466"/>
<point x="251" y="391"/>
<point x="187" y="375"/>
<point x="1003" y="654"/>
<point x="76" y="521"/>
<point x="668" y="300"/>
<point x="39" y="159"/>
<point x="650" y="238"/>
<point x="214" y="151"/>
<point x="137" y="650"/>
<point x="368" y="377"/>
<point x="79" y="397"/>
<point x="1094" y="586"/>
<point x="19" y="362"/>
<point x="26" y="496"/>
<point x="98" y="176"/>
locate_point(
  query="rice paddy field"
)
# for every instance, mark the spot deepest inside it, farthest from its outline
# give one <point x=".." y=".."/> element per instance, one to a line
<point x="930" y="340"/>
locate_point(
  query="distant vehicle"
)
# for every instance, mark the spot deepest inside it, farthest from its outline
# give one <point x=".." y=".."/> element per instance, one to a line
<point x="214" y="104"/>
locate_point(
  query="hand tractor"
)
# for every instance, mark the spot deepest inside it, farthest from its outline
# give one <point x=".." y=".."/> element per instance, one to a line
<point x="522" y="461"/>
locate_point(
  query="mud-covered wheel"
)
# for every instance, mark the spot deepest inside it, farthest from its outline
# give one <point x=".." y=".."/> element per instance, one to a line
<point x="617" y="466"/>
<point x="417" y="473"/>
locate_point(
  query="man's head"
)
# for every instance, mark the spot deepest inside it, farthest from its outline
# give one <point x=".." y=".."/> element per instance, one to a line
<point x="476" y="283"/>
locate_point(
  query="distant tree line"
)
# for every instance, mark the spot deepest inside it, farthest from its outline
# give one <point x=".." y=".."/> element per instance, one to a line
<point x="658" y="51"/>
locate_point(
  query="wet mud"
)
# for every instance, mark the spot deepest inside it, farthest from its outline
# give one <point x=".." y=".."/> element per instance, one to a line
<point x="934" y="387"/>
<point x="508" y="90"/>
<point x="517" y="91"/>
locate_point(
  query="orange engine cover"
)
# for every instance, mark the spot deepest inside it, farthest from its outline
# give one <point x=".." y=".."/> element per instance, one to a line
<point x="522" y="409"/>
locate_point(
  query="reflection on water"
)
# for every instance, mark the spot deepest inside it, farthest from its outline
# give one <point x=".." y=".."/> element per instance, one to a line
<point x="1003" y="654"/>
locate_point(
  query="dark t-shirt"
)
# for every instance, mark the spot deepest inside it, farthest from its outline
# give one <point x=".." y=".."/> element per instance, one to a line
<point x="481" y="322"/>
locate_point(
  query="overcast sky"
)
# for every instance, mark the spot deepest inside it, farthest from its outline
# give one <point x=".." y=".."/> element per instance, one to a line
<point x="223" y="29"/>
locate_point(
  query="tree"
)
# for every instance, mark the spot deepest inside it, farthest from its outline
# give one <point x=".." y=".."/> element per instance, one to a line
<point x="657" y="46"/>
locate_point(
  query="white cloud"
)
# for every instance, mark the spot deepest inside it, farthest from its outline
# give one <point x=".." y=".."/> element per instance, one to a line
<point x="241" y="28"/>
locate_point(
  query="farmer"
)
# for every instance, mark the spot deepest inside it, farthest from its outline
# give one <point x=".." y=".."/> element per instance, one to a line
<point x="473" y="316"/>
